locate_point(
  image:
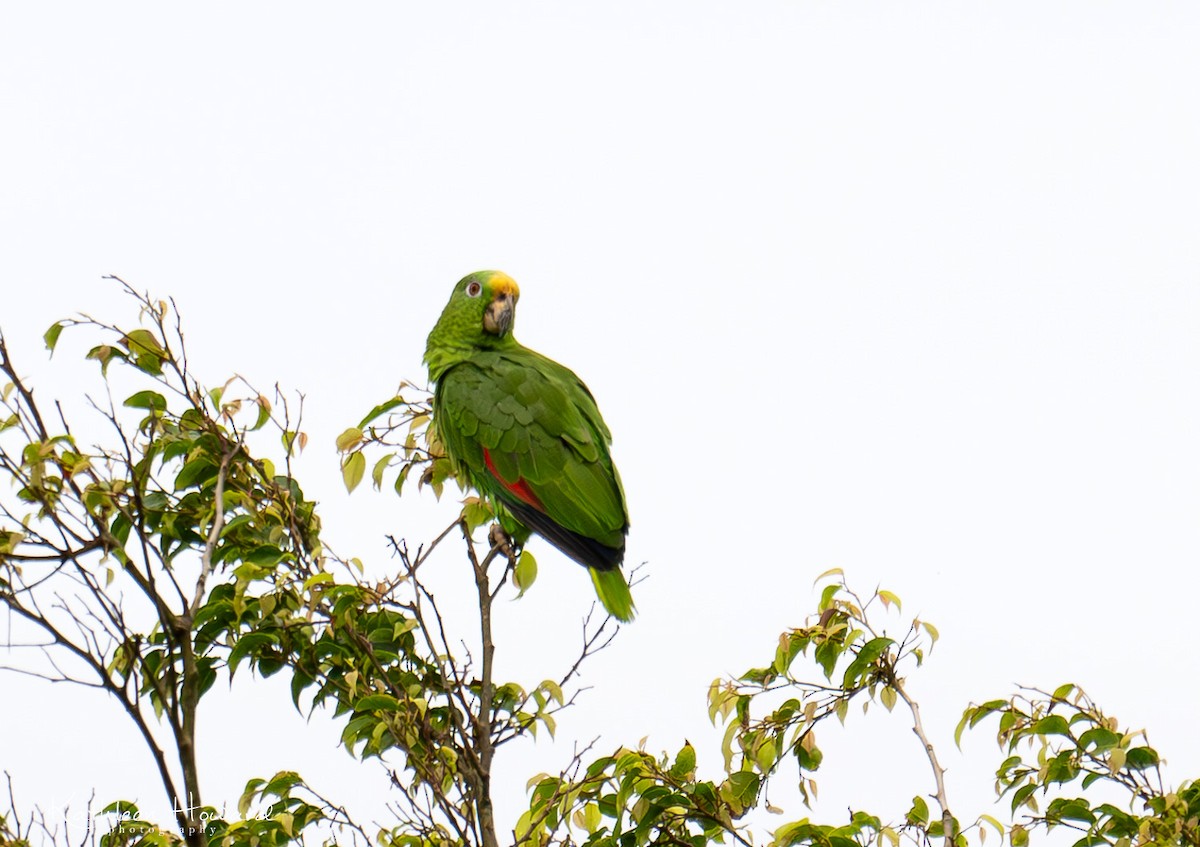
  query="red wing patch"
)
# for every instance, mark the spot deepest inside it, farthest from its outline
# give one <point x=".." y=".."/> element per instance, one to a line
<point x="519" y="489"/>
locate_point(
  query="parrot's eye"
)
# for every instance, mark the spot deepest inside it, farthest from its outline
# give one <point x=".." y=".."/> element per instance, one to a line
<point x="473" y="289"/>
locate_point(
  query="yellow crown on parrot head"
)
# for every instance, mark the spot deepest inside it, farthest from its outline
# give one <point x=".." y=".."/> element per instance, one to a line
<point x="501" y="282"/>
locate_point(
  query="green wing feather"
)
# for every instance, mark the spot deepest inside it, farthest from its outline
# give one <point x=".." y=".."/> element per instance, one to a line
<point x="542" y="430"/>
<point x="540" y="426"/>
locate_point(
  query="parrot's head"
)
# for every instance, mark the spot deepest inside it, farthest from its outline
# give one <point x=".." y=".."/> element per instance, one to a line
<point x="480" y="315"/>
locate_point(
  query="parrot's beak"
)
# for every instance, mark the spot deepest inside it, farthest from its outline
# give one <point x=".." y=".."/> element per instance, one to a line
<point x="498" y="318"/>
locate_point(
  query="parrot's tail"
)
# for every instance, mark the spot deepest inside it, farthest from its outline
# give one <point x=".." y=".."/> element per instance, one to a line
<point x="613" y="591"/>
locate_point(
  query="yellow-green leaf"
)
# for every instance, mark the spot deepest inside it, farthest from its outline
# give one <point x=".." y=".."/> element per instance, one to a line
<point x="888" y="697"/>
<point x="377" y="471"/>
<point x="591" y="817"/>
<point x="264" y="412"/>
<point x="830" y="572"/>
<point x="353" y="469"/>
<point x="1116" y="760"/>
<point x="51" y="336"/>
<point x="999" y="827"/>
<point x="525" y="573"/>
<point x="349" y="438"/>
<point x="553" y="689"/>
<point x="142" y="341"/>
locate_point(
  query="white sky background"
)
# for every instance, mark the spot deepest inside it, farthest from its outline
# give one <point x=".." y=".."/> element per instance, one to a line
<point x="907" y="289"/>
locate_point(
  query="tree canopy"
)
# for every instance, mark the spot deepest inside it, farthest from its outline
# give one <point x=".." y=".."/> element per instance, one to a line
<point x="181" y="548"/>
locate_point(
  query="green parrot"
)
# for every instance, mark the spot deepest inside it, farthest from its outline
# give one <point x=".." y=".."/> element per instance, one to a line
<point x="525" y="432"/>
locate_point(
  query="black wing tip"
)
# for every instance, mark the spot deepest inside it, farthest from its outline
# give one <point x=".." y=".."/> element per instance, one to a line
<point x="586" y="551"/>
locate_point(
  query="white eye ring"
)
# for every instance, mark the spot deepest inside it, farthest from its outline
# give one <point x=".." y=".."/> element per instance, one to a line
<point x="473" y="289"/>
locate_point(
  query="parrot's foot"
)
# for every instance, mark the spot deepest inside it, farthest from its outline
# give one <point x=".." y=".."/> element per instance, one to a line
<point x="503" y="542"/>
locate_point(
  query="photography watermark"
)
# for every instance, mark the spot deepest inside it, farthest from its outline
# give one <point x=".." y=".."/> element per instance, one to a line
<point x="126" y="818"/>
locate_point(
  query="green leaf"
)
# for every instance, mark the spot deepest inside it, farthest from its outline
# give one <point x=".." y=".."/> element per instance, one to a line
<point x="142" y="341"/>
<point x="1071" y="810"/>
<point x="1062" y="692"/>
<point x="1052" y="725"/>
<point x="386" y="406"/>
<point x="104" y="354"/>
<point x="800" y="832"/>
<point x="591" y="817"/>
<point x="146" y="352"/>
<point x="1100" y="738"/>
<point x="1140" y="758"/>
<point x="552" y="688"/>
<point x="808" y="755"/>
<point x="685" y="762"/>
<point x="264" y="556"/>
<point x="476" y="512"/>
<point x="790" y="645"/>
<point x="919" y="813"/>
<point x="151" y="400"/>
<point x="51" y="336"/>
<point x="1020" y="797"/>
<point x="973" y="715"/>
<point x="232" y="524"/>
<point x="379" y="468"/>
<point x="999" y="827"/>
<point x="377" y="702"/>
<point x="247" y="798"/>
<point x="264" y="412"/>
<point x="764" y="756"/>
<point x="353" y="469"/>
<point x="1062" y="768"/>
<point x="888" y="697"/>
<point x="247" y="645"/>
<point x="293" y="441"/>
<point x="525" y="573"/>
<point x="874" y="648"/>
<point x="319" y="578"/>
<point x="196" y="473"/>
<point x="741" y="787"/>
<point x="520" y="830"/>
<point x="300" y="681"/>
<point x="865" y="660"/>
<point x="281" y="783"/>
<point x="827" y="654"/>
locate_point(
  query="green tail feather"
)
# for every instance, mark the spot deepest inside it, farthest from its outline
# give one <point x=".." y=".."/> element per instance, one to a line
<point x="613" y="592"/>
